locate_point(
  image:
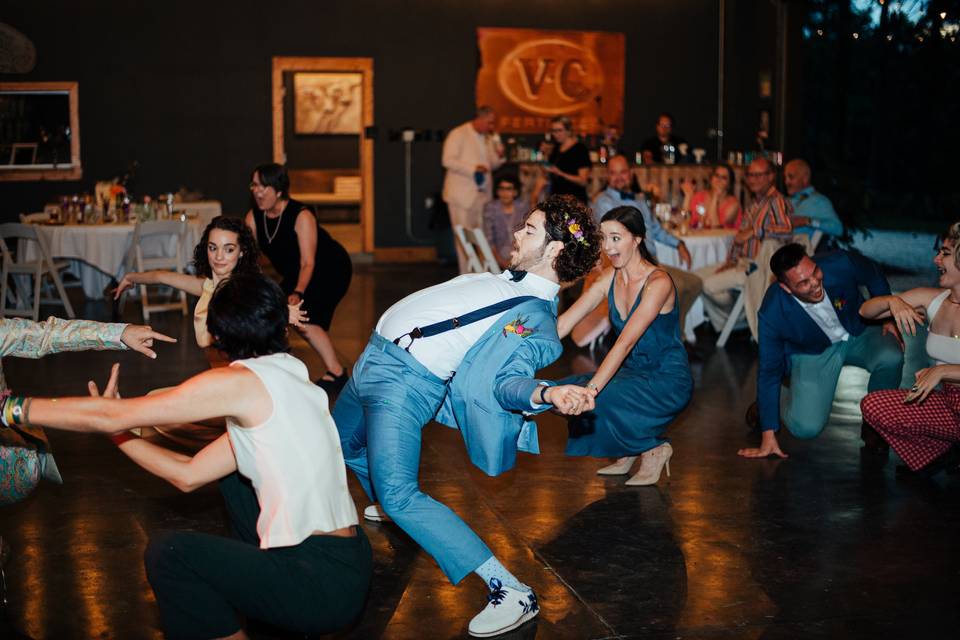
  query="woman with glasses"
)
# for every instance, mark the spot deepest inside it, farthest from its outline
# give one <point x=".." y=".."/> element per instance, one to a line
<point x="314" y="268"/>
<point x="569" y="163"/>
<point x="714" y="207"/>
<point x="502" y="216"/>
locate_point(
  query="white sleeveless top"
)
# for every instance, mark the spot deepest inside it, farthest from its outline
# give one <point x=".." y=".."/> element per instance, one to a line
<point x="294" y="458"/>
<point x="942" y="349"/>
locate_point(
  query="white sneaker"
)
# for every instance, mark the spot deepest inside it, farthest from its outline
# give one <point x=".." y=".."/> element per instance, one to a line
<point x="374" y="513"/>
<point x="507" y="609"/>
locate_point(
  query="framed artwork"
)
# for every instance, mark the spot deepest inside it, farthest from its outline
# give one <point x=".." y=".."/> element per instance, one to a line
<point x="327" y="103"/>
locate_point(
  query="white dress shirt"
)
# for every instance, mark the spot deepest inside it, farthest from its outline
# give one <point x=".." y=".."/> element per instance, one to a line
<point x="443" y="353"/>
<point x="826" y="318"/>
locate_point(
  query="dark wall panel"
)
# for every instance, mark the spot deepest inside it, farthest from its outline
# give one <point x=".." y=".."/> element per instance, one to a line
<point x="183" y="87"/>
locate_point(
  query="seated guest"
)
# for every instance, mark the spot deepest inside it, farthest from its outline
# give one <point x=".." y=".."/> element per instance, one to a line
<point x="652" y="149"/>
<point x="617" y="194"/>
<point x="301" y="561"/>
<point x="812" y="211"/>
<point x="922" y="424"/>
<point x="809" y="329"/>
<point x="767" y="218"/>
<point x="644" y="381"/>
<point x="502" y="216"/>
<point x="568" y="166"/>
<point x="715" y="207"/>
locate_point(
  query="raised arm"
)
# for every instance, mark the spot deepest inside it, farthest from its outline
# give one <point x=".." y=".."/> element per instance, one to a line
<point x="183" y="281"/>
<point x="657" y="293"/>
<point x="587" y="302"/>
<point x="904" y="308"/>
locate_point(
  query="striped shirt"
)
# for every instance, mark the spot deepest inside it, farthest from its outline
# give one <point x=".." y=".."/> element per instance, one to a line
<point x="768" y="215"/>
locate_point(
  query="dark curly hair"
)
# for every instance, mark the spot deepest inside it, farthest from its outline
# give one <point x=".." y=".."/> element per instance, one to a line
<point x="248" y="317"/>
<point x="579" y="254"/>
<point x="246" y="263"/>
<point x="632" y="219"/>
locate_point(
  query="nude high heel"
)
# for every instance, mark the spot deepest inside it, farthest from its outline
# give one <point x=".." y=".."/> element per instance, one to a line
<point x="652" y="463"/>
<point x="618" y="468"/>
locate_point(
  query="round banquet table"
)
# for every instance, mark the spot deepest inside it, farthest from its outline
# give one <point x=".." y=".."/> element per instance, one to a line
<point x="98" y="253"/>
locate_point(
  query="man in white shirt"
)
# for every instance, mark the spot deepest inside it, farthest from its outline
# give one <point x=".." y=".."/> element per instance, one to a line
<point x="470" y="154"/>
<point x="465" y="353"/>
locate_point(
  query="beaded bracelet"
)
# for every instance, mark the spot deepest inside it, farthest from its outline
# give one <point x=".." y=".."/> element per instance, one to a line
<point x="13" y="409"/>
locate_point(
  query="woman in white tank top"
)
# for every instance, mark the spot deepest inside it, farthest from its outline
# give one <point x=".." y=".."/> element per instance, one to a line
<point x="302" y="562"/>
<point x="922" y="424"/>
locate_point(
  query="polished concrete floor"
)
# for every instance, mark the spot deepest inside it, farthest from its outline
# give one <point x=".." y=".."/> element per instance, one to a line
<point x="826" y="544"/>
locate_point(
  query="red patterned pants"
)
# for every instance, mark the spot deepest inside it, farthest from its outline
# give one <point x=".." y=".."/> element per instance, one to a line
<point x="919" y="433"/>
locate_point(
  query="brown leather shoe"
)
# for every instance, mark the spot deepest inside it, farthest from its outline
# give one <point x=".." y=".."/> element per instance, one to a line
<point x="872" y="441"/>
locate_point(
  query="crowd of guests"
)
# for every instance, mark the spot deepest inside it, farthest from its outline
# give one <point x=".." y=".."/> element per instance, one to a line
<point x="466" y="353"/>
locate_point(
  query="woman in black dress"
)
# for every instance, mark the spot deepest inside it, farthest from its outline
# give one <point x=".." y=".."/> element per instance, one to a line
<point x="569" y="163"/>
<point x="313" y="267"/>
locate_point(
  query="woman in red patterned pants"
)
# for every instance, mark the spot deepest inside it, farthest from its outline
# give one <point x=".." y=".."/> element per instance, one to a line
<point x="923" y="423"/>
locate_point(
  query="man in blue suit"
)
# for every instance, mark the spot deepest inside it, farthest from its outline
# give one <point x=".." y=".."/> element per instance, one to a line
<point x="809" y="327"/>
<point x="465" y="353"/>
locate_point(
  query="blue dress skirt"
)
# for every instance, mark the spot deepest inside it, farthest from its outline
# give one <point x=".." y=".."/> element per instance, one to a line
<point x="651" y="387"/>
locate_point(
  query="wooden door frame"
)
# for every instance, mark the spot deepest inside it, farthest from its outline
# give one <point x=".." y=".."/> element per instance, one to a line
<point x="363" y="66"/>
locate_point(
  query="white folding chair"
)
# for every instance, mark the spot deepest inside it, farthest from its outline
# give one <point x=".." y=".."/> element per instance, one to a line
<point x="161" y="233"/>
<point x="15" y="263"/>
<point x="479" y="239"/>
<point x="473" y="261"/>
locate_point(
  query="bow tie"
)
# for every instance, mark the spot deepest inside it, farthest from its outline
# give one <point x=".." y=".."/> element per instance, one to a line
<point x="626" y="195"/>
<point x="516" y="275"/>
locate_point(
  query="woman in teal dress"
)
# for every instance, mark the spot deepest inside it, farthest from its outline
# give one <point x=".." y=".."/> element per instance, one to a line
<point x="644" y="381"/>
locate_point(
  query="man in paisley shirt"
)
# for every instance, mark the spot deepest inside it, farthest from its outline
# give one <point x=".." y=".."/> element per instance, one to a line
<point x="25" y="452"/>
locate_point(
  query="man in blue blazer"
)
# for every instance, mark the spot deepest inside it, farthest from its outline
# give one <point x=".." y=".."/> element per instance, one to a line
<point x="452" y="353"/>
<point x="809" y="327"/>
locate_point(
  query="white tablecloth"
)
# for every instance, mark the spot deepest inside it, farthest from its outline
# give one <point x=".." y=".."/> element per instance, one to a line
<point x="706" y="248"/>
<point x="97" y="251"/>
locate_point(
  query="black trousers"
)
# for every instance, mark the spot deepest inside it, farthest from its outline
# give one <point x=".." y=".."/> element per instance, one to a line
<point x="204" y="583"/>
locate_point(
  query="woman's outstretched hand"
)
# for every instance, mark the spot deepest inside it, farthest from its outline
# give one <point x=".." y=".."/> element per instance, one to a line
<point x="112" y="390"/>
<point x="298" y="317"/>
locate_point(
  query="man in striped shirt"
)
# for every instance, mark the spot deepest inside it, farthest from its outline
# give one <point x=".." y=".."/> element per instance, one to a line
<point x="767" y="218"/>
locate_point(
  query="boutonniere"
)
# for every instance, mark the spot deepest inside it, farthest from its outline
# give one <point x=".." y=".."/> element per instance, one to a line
<point x="518" y="327"/>
<point x="840" y="303"/>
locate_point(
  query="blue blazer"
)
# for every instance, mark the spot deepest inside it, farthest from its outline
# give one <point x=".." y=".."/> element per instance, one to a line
<point x="490" y="393"/>
<point x="785" y="328"/>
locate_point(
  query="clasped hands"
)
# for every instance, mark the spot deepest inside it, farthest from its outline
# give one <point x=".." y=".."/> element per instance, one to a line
<point x="570" y="399"/>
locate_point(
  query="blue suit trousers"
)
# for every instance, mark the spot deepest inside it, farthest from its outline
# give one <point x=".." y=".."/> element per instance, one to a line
<point x="380" y="415"/>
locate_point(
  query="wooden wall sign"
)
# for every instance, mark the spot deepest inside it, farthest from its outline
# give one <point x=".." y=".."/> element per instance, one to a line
<point x="530" y="76"/>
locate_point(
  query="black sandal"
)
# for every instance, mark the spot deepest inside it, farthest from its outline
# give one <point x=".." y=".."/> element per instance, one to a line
<point x="336" y="384"/>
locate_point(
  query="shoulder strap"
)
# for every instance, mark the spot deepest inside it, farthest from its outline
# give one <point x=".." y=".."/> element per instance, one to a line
<point x="934" y="306"/>
<point x="461" y="321"/>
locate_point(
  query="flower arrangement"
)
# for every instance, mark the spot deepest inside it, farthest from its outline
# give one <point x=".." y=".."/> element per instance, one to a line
<point x="840" y="303"/>
<point x="574" y="228"/>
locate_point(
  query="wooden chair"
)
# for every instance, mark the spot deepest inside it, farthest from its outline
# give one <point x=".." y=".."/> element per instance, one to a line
<point x="16" y="263"/>
<point x="159" y="232"/>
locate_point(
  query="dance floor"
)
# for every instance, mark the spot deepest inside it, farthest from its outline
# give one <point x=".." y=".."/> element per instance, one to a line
<point x="826" y="544"/>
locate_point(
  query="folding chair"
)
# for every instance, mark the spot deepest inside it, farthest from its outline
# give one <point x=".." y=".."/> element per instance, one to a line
<point x="15" y="263"/>
<point x="161" y="233"/>
<point x="479" y="239"/>
<point x="473" y="261"/>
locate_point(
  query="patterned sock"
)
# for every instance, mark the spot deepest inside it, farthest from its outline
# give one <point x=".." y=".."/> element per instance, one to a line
<point x="493" y="569"/>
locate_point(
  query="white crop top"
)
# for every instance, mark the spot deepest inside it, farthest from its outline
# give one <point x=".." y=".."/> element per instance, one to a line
<point x="293" y="459"/>
<point x="942" y="349"/>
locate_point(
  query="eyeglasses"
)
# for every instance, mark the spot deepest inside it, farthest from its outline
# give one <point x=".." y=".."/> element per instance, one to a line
<point x="558" y="130"/>
<point x="722" y="175"/>
<point x="506" y="187"/>
<point x="758" y="174"/>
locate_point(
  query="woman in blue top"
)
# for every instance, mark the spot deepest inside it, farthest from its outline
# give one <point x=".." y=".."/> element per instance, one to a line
<point x="644" y="381"/>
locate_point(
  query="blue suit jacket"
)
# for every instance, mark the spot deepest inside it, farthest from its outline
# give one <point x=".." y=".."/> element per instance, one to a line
<point x="492" y="387"/>
<point x="785" y="328"/>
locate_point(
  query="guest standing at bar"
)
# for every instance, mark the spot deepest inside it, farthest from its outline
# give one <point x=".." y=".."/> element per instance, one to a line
<point x="315" y="269"/>
<point x="470" y="155"/>
<point x="569" y="164"/>
<point x="301" y="562"/>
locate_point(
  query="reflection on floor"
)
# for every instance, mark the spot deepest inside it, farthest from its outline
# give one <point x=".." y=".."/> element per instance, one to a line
<point x="827" y="543"/>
